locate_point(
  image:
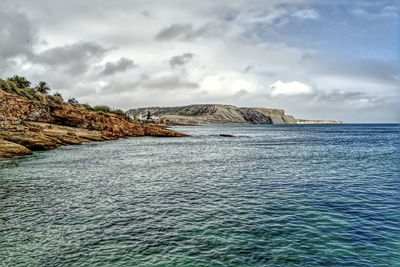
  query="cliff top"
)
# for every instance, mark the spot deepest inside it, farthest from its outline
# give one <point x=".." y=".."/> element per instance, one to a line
<point x="32" y="120"/>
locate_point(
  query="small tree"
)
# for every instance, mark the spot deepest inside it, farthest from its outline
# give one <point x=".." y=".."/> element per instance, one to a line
<point x="59" y="96"/>
<point x="42" y="87"/>
<point x="119" y="112"/>
<point x="20" y="82"/>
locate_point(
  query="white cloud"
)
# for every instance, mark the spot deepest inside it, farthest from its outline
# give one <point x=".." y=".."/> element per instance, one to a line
<point x="306" y="14"/>
<point x="290" y="88"/>
<point x="229" y="82"/>
<point x="272" y="16"/>
<point x="375" y="10"/>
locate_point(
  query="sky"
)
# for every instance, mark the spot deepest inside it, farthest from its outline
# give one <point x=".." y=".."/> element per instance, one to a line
<point x="316" y="59"/>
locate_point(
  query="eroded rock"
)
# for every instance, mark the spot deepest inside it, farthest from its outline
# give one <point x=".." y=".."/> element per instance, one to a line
<point x="27" y="125"/>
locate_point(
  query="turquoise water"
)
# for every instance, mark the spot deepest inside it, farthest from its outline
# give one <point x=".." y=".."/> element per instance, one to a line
<point x="292" y="195"/>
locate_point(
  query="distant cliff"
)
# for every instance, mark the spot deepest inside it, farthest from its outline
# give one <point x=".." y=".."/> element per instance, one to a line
<point x="219" y="114"/>
<point x="214" y="114"/>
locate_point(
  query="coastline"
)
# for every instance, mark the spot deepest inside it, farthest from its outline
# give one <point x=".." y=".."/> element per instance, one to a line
<point x="24" y="138"/>
<point x="28" y="125"/>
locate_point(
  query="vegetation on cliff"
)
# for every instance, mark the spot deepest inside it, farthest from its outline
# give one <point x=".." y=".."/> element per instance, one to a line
<point x="19" y="85"/>
<point x="33" y="120"/>
<point x="19" y="81"/>
<point x="42" y="87"/>
<point x="106" y="109"/>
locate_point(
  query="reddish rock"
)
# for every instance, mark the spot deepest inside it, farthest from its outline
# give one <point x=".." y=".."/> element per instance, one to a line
<point x="36" y="125"/>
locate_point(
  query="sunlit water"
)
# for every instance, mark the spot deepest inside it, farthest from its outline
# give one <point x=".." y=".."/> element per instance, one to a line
<point x="273" y="195"/>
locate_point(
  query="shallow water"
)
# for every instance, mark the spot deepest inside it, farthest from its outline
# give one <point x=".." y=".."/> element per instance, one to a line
<point x="291" y="195"/>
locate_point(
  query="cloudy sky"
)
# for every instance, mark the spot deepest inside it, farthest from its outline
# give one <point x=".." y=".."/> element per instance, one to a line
<point x="317" y="59"/>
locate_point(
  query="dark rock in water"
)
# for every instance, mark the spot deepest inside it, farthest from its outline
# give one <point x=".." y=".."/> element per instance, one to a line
<point x="226" y="135"/>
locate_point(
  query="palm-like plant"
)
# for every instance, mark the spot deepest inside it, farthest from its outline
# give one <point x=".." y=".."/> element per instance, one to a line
<point x="20" y="81"/>
<point x="42" y="87"/>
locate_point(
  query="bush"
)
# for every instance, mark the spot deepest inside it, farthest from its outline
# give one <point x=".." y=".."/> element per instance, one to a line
<point x="9" y="87"/>
<point x="88" y="107"/>
<point x="119" y="112"/>
<point x="59" y="96"/>
<point x="105" y="109"/>
<point x="55" y="99"/>
<point x="31" y="94"/>
<point x="20" y="81"/>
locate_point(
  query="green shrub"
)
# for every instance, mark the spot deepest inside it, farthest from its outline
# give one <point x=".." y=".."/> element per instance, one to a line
<point x="88" y="107"/>
<point x="39" y="96"/>
<point x="20" y="81"/>
<point x="105" y="109"/>
<point x="9" y="87"/>
<point x="42" y="87"/>
<point x="119" y="112"/>
<point x="55" y="99"/>
<point x="59" y="96"/>
<point x="30" y="93"/>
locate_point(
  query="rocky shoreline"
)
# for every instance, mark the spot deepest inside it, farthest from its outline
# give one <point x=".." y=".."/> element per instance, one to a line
<point x="27" y="125"/>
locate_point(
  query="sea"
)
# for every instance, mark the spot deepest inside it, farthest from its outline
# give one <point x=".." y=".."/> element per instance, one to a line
<point x="272" y="195"/>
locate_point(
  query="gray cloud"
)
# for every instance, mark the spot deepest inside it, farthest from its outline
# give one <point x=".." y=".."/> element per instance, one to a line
<point x="209" y="30"/>
<point x="18" y="35"/>
<point x="118" y="87"/>
<point x="163" y="83"/>
<point x="145" y="13"/>
<point x="339" y="96"/>
<point x="247" y="69"/>
<point x="73" y="58"/>
<point x="375" y="71"/>
<point x="121" y="65"/>
<point x="173" y="31"/>
<point x="181" y="60"/>
<point x="187" y="32"/>
<point x="169" y="82"/>
<point x="241" y="93"/>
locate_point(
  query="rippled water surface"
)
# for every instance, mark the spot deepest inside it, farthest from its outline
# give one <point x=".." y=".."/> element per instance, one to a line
<point x="273" y="195"/>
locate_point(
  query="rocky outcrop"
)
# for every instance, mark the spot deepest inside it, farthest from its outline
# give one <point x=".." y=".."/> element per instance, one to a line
<point x="27" y="125"/>
<point x="215" y="114"/>
<point x="10" y="149"/>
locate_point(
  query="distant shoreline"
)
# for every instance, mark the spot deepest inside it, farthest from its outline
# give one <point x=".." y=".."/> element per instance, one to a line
<point x="199" y="114"/>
